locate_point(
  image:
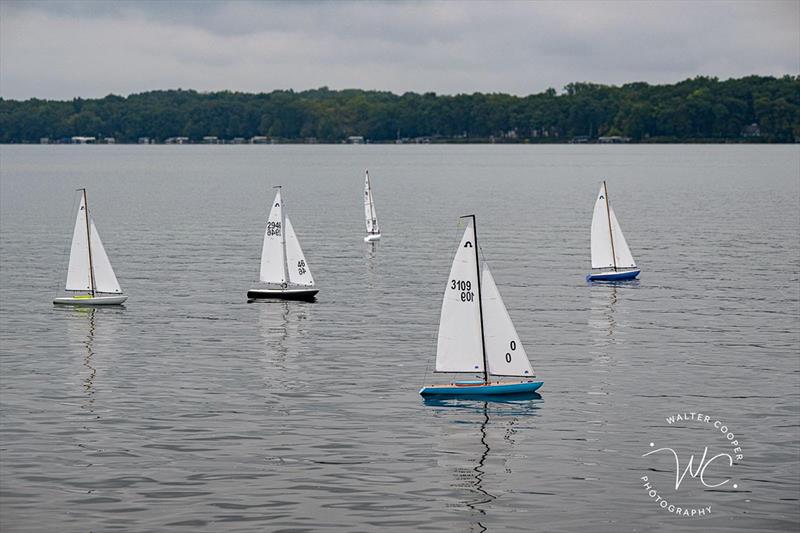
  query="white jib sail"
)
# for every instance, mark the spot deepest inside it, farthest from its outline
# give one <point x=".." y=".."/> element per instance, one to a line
<point x="299" y="273"/>
<point x="78" y="271"/>
<point x="623" y="253"/>
<point x="272" y="253"/>
<point x="369" y="207"/>
<point x="504" y="351"/>
<point x="104" y="278"/>
<point x="458" y="347"/>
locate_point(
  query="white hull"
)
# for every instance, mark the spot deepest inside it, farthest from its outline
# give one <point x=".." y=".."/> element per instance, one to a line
<point x="372" y="237"/>
<point x="115" y="299"/>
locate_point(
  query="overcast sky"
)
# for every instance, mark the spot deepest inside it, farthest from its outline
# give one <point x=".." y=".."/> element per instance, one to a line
<point x="66" y="49"/>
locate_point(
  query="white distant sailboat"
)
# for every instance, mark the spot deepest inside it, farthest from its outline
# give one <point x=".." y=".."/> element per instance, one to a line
<point x="373" y="231"/>
<point x="284" y="271"/>
<point x="476" y="334"/>
<point x="611" y="257"/>
<point x="89" y="274"/>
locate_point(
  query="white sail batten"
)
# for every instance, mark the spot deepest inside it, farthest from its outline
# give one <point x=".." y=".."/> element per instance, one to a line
<point x="78" y="272"/>
<point x="505" y="354"/>
<point x="602" y="257"/>
<point x="272" y="252"/>
<point x="458" y="346"/>
<point x="299" y="273"/>
<point x="369" y="207"/>
<point x="104" y="278"/>
<point x="622" y="252"/>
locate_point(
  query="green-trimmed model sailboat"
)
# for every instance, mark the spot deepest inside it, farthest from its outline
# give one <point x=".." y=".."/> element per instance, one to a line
<point x="90" y="278"/>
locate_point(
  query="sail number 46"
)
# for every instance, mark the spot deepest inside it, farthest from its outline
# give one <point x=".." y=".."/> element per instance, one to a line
<point x="465" y="287"/>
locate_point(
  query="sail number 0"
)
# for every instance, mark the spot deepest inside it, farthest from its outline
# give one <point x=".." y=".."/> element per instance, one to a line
<point x="465" y="287"/>
<point x="513" y="346"/>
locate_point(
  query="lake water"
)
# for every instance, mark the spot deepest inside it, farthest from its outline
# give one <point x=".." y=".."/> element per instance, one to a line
<point x="192" y="410"/>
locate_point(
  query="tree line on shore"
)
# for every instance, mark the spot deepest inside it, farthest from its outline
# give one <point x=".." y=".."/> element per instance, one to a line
<point x="701" y="109"/>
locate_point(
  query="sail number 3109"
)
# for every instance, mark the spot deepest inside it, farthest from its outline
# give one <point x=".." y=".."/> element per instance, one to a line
<point x="465" y="287"/>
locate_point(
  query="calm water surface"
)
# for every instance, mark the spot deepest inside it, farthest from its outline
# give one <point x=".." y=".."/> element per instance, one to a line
<point x="191" y="410"/>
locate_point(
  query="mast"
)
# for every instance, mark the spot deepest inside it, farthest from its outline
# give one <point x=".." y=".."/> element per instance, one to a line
<point x="88" y="240"/>
<point x="610" y="233"/>
<point x="283" y="241"/>
<point x="371" y="205"/>
<point x="480" y="302"/>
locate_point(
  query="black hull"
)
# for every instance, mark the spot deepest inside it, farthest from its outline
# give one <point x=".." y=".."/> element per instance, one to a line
<point x="305" y="296"/>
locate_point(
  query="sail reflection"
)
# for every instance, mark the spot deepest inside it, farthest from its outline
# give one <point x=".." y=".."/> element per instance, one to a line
<point x="496" y="419"/>
<point x="602" y="316"/>
<point x="281" y="325"/>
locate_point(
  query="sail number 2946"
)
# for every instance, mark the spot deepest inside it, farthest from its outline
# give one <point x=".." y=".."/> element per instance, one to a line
<point x="465" y="287"/>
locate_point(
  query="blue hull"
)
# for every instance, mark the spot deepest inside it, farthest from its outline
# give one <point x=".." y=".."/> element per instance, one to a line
<point x="614" y="276"/>
<point x="470" y="389"/>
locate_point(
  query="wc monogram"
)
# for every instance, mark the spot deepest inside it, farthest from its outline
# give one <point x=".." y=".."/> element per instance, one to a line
<point x="707" y="476"/>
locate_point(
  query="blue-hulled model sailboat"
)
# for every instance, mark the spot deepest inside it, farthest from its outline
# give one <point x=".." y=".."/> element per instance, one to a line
<point x="611" y="257"/>
<point x="476" y="334"/>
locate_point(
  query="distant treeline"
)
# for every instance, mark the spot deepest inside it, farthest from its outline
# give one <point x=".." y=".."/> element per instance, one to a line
<point x="702" y="109"/>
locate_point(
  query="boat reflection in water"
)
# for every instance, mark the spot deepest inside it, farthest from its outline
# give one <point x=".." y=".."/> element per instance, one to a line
<point x="282" y="327"/>
<point x="496" y="419"/>
<point x="86" y="327"/>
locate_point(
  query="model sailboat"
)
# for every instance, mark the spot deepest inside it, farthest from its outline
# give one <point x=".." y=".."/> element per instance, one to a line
<point x="476" y="334"/>
<point x="611" y="257"/>
<point x="284" y="271"/>
<point x="373" y="231"/>
<point x="89" y="276"/>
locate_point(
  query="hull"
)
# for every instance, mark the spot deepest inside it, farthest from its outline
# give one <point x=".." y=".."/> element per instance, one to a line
<point x="304" y="294"/>
<point x="372" y="237"/>
<point x="612" y="275"/>
<point x="479" y="388"/>
<point x="115" y="299"/>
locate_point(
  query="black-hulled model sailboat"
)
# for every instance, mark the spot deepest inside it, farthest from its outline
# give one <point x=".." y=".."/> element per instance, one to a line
<point x="284" y="272"/>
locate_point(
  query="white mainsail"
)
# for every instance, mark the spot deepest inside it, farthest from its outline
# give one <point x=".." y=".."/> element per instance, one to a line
<point x="81" y="270"/>
<point x="78" y="278"/>
<point x="273" y="253"/>
<point x="369" y="207"/>
<point x="104" y="278"/>
<point x="609" y="248"/>
<point x="458" y="347"/>
<point x="505" y="354"/>
<point x="299" y="273"/>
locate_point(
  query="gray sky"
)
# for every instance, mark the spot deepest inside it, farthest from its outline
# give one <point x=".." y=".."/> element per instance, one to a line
<point x="65" y="49"/>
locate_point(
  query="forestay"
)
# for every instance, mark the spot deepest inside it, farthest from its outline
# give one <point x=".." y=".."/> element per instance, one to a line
<point x="299" y="273"/>
<point x="78" y="271"/>
<point x="458" y="347"/>
<point x="504" y="351"/>
<point x="370" y="215"/>
<point x="272" y="252"/>
<point x="104" y="278"/>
